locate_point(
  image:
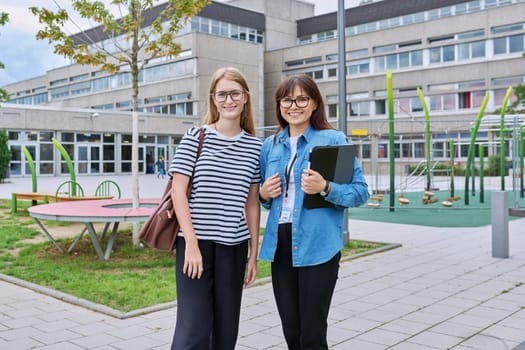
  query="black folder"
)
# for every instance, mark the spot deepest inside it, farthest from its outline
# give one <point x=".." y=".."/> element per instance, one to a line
<point x="336" y="164"/>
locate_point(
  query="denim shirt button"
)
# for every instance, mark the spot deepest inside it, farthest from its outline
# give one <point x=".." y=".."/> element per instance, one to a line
<point x="296" y="247"/>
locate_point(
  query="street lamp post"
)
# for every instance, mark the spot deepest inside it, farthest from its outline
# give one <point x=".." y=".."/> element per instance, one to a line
<point x="341" y="67"/>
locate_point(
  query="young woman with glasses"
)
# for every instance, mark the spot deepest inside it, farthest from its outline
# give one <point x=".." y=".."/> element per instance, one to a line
<point x="304" y="245"/>
<point x="220" y="221"/>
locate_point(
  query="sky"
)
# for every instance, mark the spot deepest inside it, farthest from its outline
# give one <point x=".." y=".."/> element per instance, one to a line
<point x="25" y="57"/>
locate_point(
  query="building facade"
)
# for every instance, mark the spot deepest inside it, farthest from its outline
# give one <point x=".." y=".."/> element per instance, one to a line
<point x="455" y="52"/>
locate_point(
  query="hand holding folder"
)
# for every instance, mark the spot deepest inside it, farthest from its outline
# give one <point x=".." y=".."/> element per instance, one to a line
<point x="336" y="164"/>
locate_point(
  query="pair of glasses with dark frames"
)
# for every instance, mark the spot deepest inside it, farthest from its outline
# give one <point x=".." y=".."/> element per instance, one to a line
<point x="222" y="96"/>
<point x="300" y="101"/>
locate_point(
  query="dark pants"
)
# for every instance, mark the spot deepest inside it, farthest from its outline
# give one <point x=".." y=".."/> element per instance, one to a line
<point x="303" y="295"/>
<point x="208" y="308"/>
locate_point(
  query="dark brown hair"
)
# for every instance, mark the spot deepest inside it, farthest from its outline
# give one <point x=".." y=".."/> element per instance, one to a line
<point x="310" y="88"/>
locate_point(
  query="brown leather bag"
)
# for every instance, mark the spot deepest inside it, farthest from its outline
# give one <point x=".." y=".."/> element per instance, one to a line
<point x="162" y="227"/>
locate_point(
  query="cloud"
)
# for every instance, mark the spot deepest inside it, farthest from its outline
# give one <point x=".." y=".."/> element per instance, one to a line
<point x="25" y="57"/>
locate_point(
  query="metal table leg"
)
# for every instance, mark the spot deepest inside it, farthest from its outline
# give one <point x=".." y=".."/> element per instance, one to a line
<point x="111" y="240"/>
<point x="48" y="235"/>
<point x="94" y="239"/>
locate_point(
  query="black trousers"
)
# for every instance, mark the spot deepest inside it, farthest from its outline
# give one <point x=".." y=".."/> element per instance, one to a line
<point x="208" y="308"/>
<point x="303" y="295"/>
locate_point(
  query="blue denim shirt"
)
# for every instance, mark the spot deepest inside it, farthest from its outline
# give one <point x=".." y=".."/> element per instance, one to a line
<point x="317" y="234"/>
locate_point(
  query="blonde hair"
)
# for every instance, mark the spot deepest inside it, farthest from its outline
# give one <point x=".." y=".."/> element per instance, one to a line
<point x="233" y="74"/>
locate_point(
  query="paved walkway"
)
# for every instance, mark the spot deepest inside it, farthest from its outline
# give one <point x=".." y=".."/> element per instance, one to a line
<point x="440" y="290"/>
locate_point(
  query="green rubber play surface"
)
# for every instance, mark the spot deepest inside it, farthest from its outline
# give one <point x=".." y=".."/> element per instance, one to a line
<point x="475" y="214"/>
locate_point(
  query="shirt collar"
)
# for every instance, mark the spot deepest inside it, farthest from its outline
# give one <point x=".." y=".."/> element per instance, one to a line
<point x="283" y="136"/>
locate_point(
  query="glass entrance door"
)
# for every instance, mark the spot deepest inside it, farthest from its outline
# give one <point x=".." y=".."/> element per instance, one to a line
<point x="88" y="159"/>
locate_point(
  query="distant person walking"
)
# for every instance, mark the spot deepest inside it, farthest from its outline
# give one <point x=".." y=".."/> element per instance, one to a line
<point x="161" y="167"/>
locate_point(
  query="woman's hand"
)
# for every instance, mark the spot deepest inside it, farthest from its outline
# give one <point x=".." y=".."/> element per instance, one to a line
<point x="251" y="271"/>
<point x="193" y="265"/>
<point x="312" y="182"/>
<point x="271" y="188"/>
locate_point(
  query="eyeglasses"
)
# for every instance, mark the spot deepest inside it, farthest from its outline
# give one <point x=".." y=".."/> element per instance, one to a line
<point x="222" y="96"/>
<point x="300" y="101"/>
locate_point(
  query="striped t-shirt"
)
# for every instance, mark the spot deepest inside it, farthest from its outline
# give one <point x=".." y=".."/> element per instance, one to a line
<point x="226" y="168"/>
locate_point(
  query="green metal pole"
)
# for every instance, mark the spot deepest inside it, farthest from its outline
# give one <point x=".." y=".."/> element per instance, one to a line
<point x="470" y="155"/>
<point x="452" y="154"/>
<point x="473" y="177"/>
<point x="31" y="163"/>
<point x="521" y="150"/>
<point x="481" y="171"/>
<point x="391" y="153"/>
<point x="502" y="138"/>
<point x="69" y="164"/>
<point x="427" y="136"/>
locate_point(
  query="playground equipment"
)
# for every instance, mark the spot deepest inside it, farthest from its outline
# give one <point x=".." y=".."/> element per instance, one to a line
<point x="428" y="168"/>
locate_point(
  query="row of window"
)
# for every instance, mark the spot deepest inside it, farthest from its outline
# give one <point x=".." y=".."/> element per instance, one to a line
<point x="120" y="80"/>
<point x="159" y="104"/>
<point x="90" y="153"/>
<point x="447" y="11"/>
<point x="358" y="107"/>
<point x="225" y="29"/>
<point x="514" y="44"/>
<point x="196" y="24"/>
<point x="123" y="80"/>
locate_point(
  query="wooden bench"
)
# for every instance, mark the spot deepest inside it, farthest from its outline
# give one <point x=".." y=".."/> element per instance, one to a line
<point x="48" y="197"/>
<point x="517" y="212"/>
<point x="33" y="196"/>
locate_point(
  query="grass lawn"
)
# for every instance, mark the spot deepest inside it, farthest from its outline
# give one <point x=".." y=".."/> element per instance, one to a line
<point x="133" y="278"/>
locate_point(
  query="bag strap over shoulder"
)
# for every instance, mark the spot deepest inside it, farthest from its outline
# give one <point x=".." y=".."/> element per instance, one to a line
<point x="199" y="149"/>
<point x="201" y="141"/>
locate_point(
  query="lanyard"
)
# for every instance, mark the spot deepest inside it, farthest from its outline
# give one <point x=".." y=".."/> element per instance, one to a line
<point x="287" y="173"/>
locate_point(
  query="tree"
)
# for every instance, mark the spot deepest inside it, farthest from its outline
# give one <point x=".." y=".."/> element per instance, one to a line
<point x="5" y="155"/>
<point x="4" y="18"/>
<point x="145" y="40"/>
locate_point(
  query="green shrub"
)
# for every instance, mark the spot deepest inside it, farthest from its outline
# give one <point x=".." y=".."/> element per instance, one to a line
<point x="493" y="167"/>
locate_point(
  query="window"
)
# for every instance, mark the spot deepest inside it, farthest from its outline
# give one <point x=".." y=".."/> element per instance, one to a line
<point x="40" y="99"/>
<point x="380" y="106"/>
<point x="332" y="110"/>
<point x="500" y="46"/>
<point x="510" y="44"/>
<point x="516" y="43"/>
<point x="79" y="77"/>
<point x="464" y="100"/>
<point x="416" y="104"/>
<point x="508" y="81"/>
<point x="442" y="54"/>
<point x="448" y="53"/>
<point x="303" y="61"/>
<point x="400" y="60"/>
<point x="507" y="28"/>
<point x="471" y="50"/>
<point x="406" y="150"/>
<point x="60" y="92"/>
<point x="358" y="67"/>
<point x="355" y="54"/>
<point x="81" y="88"/>
<point x="442" y="102"/>
<point x="358" y="108"/>
<point x="59" y="82"/>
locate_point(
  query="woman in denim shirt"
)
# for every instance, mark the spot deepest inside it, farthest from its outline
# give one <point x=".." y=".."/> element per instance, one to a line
<point x="304" y="245"/>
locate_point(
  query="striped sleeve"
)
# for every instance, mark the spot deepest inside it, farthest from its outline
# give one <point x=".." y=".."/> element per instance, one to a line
<point x="184" y="158"/>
